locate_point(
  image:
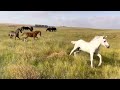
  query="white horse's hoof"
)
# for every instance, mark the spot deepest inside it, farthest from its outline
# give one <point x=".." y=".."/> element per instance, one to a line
<point x="92" y="67"/>
<point x="99" y="64"/>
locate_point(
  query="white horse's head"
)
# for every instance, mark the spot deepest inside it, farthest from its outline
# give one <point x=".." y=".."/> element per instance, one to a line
<point x="104" y="42"/>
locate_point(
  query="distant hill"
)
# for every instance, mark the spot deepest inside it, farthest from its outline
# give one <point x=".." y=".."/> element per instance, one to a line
<point x="13" y="24"/>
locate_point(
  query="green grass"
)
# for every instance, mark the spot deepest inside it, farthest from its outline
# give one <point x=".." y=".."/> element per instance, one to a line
<point x="48" y="57"/>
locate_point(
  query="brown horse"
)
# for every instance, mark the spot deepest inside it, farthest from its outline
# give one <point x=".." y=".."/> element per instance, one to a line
<point x="32" y="34"/>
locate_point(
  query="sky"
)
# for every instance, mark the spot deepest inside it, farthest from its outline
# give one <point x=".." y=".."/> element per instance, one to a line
<point x="86" y="19"/>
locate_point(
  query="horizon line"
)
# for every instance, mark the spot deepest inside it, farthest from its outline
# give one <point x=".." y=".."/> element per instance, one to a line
<point x="56" y="26"/>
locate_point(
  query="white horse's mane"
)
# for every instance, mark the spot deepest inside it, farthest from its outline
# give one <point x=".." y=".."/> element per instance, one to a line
<point x="95" y="38"/>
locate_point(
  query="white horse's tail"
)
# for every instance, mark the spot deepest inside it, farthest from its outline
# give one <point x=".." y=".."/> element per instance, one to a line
<point x="73" y="42"/>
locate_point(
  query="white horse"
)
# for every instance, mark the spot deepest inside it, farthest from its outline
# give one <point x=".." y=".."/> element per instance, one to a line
<point x="91" y="47"/>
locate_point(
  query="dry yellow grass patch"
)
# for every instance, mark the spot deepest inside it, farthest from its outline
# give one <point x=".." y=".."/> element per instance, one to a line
<point x="21" y="71"/>
<point x="59" y="54"/>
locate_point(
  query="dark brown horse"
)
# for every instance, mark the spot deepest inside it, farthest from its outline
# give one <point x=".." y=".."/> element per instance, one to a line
<point x="27" y="28"/>
<point x="51" y="29"/>
<point x="32" y="34"/>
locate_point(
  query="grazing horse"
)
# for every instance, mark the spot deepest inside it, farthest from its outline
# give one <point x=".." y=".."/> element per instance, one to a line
<point x="91" y="47"/>
<point x="15" y="33"/>
<point x="51" y="29"/>
<point x="27" y="28"/>
<point x="32" y="34"/>
<point x="48" y="29"/>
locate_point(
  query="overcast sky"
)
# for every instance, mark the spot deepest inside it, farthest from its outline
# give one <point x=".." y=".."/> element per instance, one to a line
<point x="88" y="19"/>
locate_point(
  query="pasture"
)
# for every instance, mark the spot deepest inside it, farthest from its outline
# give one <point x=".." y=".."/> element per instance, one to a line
<point x="48" y="56"/>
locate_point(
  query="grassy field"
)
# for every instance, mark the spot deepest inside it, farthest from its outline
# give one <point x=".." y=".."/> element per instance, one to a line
<point x="48" y="57"/>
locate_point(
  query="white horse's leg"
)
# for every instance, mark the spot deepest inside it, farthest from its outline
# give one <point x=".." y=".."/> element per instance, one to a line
<point x="73" y="50"/>
<point x="100" y="59"/>
<point x="91" y="59"/>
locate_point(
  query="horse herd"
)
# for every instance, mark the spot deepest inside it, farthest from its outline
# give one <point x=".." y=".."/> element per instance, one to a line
<point x="91" y="47"/>
<point x="28" y="34"/>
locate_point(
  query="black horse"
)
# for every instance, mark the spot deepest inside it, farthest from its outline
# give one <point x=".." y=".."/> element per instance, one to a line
<point x="51" y="29"/>
<point x="48" y="29"/>
<point x="27" y="28"/>
<point x="15" y="33"/>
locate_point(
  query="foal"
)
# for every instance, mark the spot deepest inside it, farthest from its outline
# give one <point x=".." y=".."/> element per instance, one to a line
<point x="91" y="47"/>
<point x="15" y="33"/>
<point x="32" y="34"/>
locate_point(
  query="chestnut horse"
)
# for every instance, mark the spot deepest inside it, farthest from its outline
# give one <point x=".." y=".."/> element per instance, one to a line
<point x="32" y="34"/>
